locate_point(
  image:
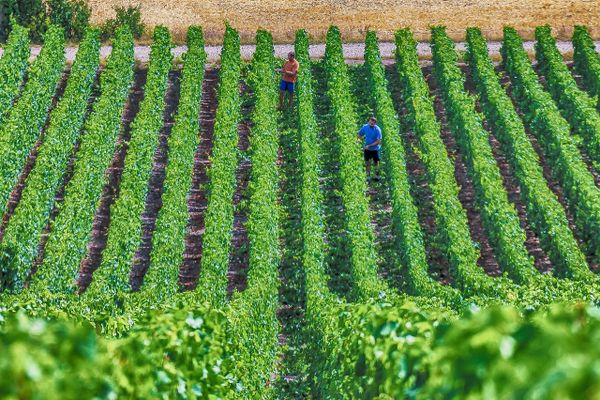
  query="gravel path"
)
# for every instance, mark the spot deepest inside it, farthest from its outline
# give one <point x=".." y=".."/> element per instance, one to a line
<point x="352" y="51"/>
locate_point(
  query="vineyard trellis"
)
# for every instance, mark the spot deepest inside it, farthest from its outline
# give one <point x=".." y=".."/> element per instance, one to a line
<point x="24" y="124"/>
<point x="366" y="336"/>
<point x="168" y="241"/>
<point x="70" y="230"/>
<point x="125" y="230"/>
<point x="543" y="209"/>
<point x="553" y="133"/>
<point x="22" y="235"/>
<point x="13" y="65"/>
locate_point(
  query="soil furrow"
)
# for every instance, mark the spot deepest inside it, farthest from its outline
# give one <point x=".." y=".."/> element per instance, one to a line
<point x="337" y="248"/>
<point x="290" y="381"/>
<point x="381" y="221"/>
<point x="439" y="266"/>
<point x="141" y="259"/>
<point x="578" y="78"/>
<point x="532" y="243"/>
<point x="380" y="202"/>
<point x="594" y="170"/>
<point x="197" y="200"/>
<point x="487" y="260"/>
<point x="99" y="234"/>
<point x="239" y="255"/>
<point x="438" y="262"/>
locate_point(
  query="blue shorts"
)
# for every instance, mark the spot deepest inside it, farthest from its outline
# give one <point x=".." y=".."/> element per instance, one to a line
<point x="285" y="86"/>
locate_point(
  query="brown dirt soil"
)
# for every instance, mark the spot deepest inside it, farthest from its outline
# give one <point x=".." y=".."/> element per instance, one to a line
<point x="99" y="234"/>
<point x="355" y="17"/>
<point x="141" y="260"/>
<point x="467" y="197"/>
<point x="197" y="200"/>
<point x="15" y="195"/>
<point x="590" y="164"/>
<point x="532" y="243"/>
<point x="578" y="78"/>
<point x="380" y="205"/>
<point x="438" y="263"/>
<point x="239" y="255"/>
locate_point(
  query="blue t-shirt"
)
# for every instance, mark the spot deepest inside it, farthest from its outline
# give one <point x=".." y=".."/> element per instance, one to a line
<point x="371" y="135"/>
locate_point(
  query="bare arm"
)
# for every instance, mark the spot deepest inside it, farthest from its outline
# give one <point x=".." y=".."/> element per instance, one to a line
<point x="291" y="72"/>
<point x="375" y="143"/>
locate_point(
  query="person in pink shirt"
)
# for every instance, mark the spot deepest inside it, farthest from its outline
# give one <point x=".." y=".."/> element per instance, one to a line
<point x="289" y="73"/>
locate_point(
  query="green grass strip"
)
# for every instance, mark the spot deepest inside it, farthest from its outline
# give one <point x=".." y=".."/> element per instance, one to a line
<point x="450" y="216"/>
<point x="405" y="220"/>
<point x="586" y="59"/>
<point x="575" y="105"/>
<point x="500" y="218"/>
<point x="366" y="283"/>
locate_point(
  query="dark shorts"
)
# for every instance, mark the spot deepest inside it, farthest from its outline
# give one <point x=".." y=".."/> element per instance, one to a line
<point x="372" y="155"/>
<point x="285" y="86"/>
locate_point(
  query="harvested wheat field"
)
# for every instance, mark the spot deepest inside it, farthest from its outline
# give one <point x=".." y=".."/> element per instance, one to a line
<point x="355" y="17"/>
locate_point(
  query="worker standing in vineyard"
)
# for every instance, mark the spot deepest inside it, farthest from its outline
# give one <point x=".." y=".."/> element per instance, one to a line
<point x="289" y="74"/>
<point x="370" y="133"/>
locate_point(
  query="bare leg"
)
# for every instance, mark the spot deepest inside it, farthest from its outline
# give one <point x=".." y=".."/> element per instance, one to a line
<point x="376" y="169"/>
<point x="368" y="168"/>
<point x="291" y="99"/>
<point x="281" y="94"/>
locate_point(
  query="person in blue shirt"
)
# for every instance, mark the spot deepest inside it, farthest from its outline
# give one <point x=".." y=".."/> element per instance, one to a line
<point x="370" y="134"/>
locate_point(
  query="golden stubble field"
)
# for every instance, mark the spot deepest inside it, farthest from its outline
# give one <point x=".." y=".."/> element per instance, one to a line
<point x="284" y="17"/>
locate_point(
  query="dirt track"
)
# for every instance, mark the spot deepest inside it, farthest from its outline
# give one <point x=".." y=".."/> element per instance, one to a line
<point x="352" y="51"/>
